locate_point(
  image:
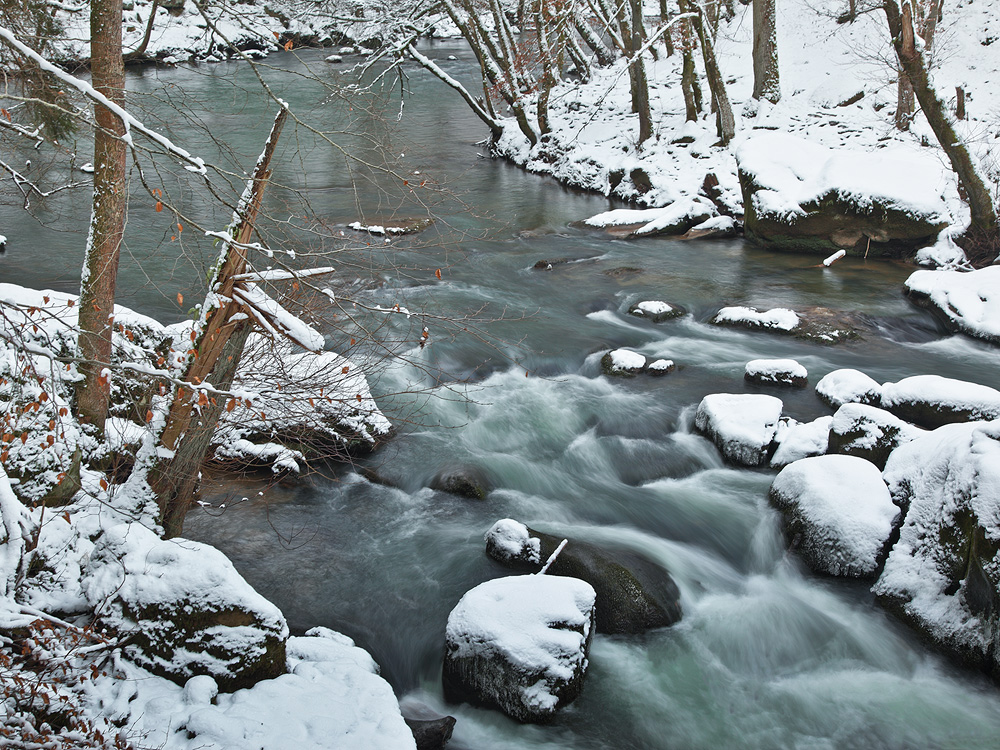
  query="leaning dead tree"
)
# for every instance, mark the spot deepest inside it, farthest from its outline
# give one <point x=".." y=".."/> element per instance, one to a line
<point x="981" y="241"/>
<point x="234" y="307"/>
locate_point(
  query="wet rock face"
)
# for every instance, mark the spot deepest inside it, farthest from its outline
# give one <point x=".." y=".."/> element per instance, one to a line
<point x="520" y="644"/>
<point x="431" y="734"/>
<point x="634" y="593"/>
<point x="465" y="481"/>
<point x="943" y="575"/>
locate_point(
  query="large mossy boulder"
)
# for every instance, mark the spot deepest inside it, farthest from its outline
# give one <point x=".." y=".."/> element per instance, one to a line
<point x="520" y="644"/>
<point x="183" y="609"/>
<point x="803" y="197"/>
<point x="943" y="575"/>
<point x="931" y="400"/>
<point x="869" y="432"/>
<point x="838" y="514"/>
<point x="634" y="593"/>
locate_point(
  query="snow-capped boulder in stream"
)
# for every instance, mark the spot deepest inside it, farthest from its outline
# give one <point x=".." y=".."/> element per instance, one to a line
<point x="799" y="195"/>
<point x="741" y="425"/>
<point x="656" y="310"/>
<point x="776" y="372"/>
<point x="847" y="386"/>
<point x="520" y="644"/>
<point x="869" y="432"/>
<point x="943" y="575"/>
<point x="623" y="363"/>
<point x="931" y="400"/>
<point x="797" y="440"/>
<point x="634" y="592"/>
<point x="967" y="301"/>
<point x="837" y="513"/>
<point x="183" y="609"/>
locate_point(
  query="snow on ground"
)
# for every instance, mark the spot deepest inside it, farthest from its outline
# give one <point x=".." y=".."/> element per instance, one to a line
<point x="970" y="300"/>
<point x="331" y="699"/>
<point x="841" y="510"/>
<point x="742" y="425"/>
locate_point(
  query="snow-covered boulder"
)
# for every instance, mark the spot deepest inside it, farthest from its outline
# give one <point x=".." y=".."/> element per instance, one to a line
<point x="661" y="367"/>
<point x="802" y="196"/>
<point x="184" y="609"/>
<point x="797" y="440"/>
<point x="869" y="432"/>
<point x="741" y="425"/>
<point x="623" y="363"/>
<point x="634" y="593"/>
<point x="776" y="372"/>
<point x="837" y="512"/>
<point x="656" y="310"/>
<point x="848" y="386"/>
<point x="931" y="400"/>
<point x="520" y="644"/>
<point x="943" y="575"/>
<point x="779" y="319"/>
<point x="968" y="301"/>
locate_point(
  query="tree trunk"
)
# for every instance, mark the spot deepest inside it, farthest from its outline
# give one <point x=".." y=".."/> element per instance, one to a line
<point x="640" y="85"/>
<point x="193" y="416"/>
<point x="982" y="238"/>
<point x="724" y="119"/>
<point x="766" y="83"/>
<point x="107" y="219"/>
<point x="689" y="75"/>
<point x="905" y="104"/>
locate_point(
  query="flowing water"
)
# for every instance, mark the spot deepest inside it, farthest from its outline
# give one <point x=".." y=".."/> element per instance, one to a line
<point x="767" y="655"/>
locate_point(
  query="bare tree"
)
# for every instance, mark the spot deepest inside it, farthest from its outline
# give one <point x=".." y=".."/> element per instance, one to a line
<point x="766" y="82"/>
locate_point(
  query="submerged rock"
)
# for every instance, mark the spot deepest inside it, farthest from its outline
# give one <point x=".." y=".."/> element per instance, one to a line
<point x="520" y="644"/>
<point x="741" y="425"/>
<point x="838" y="514"/>
<point x="634" y="593"/>
<point x="184" y="609"/>
<point x="776" y="372"/>
<point x="931" y="400"/>
<point x="869" y="432"/>
<point x="943" y="575"/>
<point x="467" y="481"/>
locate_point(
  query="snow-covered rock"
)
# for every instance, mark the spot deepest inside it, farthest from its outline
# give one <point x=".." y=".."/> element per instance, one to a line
<point x="655" y="310"/>
<point x="848" y="386"/>
<point x="799" y="195"/>
<point x="931" y="400"/>
<point x="634" y="592"/>
<point x="797" y="440"/>
<point x="520" y="644"/>
<point x="837" y="512"/>
<point x="184" y="608"/>
<point x="869" y="432"/>
<point x="968" y="301"/>
<point x="778" y="319"/>
<point x="741" y="425"/>
<point x="943" y="575"/>
<point x="623" y="362"/>
<point x="776" y="372"/>
<point x="661" y="367"/>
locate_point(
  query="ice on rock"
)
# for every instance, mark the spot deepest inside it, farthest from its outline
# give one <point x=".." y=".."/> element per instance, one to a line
<point x="837" y="511"/>
<point x="848" y="386"/>
<point x="520" y="644"/>
<point x="741" y="425"/>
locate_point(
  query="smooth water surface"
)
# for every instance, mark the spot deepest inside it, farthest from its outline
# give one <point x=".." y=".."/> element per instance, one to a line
<point x="767" y="655"/>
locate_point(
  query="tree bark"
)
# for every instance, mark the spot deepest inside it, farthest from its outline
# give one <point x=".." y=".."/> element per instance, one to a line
<point x="107" y="220"/>
<point x="640" y="85"/>
<point x="192" y="418"/>
<point x="689" y="75"/>
<point x="725" y="122"/>
<point x="766" y="82"/>
<point x="982" y="233"/>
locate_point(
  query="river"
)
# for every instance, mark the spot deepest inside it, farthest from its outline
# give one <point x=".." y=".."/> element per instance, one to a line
<point x="767" y="655"/>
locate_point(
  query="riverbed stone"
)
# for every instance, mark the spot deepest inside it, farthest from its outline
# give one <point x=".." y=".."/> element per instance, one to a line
<point x="943" y="575"/>
<point x="623" y="363"/>
<point x="776" y="372"/>
<point x="742" y="425"/>
<point x="838" y="514"/>
<point x="183" y="609"/>
<point x="520" y="644"/>
<point x="634" y="593"/>
<point x="869" y="432"/>
<point x="466" y="481"/>
<point x="656" y="311"/>
<point x="931" y="400"/>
